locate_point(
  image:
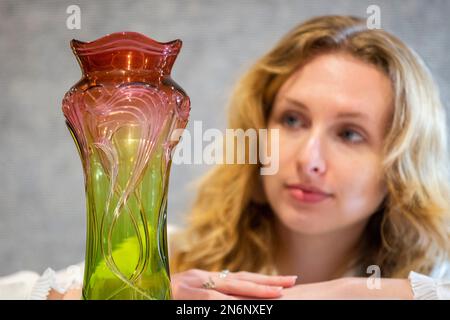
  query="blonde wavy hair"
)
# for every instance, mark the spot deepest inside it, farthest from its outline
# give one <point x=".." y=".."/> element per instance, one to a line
<point x="232" y="226"/>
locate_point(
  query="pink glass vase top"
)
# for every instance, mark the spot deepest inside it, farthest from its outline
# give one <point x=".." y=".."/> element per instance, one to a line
<point x="122" y="114"/>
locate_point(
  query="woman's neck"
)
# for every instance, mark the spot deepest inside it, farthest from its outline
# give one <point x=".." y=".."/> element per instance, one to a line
<point x="316" y="258"/>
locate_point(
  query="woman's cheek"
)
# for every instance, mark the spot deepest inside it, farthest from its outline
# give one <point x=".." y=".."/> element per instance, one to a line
<point x="361" y="186"/>
<point x="287" y="148"/>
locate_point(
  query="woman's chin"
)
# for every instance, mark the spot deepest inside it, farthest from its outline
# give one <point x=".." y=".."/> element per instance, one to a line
<point x="306" y="221"/>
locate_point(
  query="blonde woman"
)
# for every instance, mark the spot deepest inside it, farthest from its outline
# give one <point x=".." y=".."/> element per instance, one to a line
<point x="362" y="181"/>
<point x="362" y="186"/>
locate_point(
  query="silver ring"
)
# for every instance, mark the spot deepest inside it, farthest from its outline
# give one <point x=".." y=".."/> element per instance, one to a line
<point x="224" y="273"/>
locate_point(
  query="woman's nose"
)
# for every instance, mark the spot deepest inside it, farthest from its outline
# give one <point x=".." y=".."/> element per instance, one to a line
<point x="311" y="158"/>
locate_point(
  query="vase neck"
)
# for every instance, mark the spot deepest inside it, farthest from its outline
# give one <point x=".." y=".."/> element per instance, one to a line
<point x="126" y="52"/>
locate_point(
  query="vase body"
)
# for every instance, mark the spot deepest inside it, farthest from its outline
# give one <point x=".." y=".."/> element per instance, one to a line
<point x="122" y="115"/>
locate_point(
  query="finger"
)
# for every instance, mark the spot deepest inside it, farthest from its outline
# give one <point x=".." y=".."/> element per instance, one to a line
<point x="186" y="292"/>
<point x="216" y="295"/>
<point x="54" y="295"/>
<point x="72" y="294"/>
<point x="283" y="281"/>
<point x="246" y="288"/>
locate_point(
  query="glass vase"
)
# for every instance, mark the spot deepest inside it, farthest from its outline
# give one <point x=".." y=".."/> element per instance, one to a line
<point x="122" y="115"/>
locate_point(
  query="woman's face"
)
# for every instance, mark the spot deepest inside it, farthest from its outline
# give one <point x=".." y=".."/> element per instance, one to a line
<point x="332" y="115"/>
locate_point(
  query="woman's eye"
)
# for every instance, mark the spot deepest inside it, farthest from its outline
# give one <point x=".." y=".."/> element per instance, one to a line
<point x="351" y="136"/>
<point x="291" y="120"/>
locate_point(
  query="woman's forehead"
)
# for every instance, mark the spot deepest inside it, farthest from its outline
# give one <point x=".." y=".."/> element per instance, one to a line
<point x="341" y="83"/>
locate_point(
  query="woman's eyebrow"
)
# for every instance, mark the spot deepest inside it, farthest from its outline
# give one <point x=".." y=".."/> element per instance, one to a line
<point x="297" y="103"/>
<point x="352" y="114"/>
<point x="341" y="114"/>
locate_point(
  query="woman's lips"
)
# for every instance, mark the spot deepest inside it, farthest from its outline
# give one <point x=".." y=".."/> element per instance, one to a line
<point x="306" y="195"/>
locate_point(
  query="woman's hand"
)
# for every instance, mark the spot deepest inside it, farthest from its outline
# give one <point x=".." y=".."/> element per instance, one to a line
<point x="351" y="288"/>
<point x="190" y="285"/>
<point x="71" y="294"/>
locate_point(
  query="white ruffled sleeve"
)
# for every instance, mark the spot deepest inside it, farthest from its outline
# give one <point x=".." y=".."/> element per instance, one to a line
<point x="28" y="285"/>
<point x="61" y="281"/>
<point x="428" y="288"/>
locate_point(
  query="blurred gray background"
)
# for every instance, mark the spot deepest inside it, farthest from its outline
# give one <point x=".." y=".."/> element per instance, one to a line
<point x="42" y="204"/>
